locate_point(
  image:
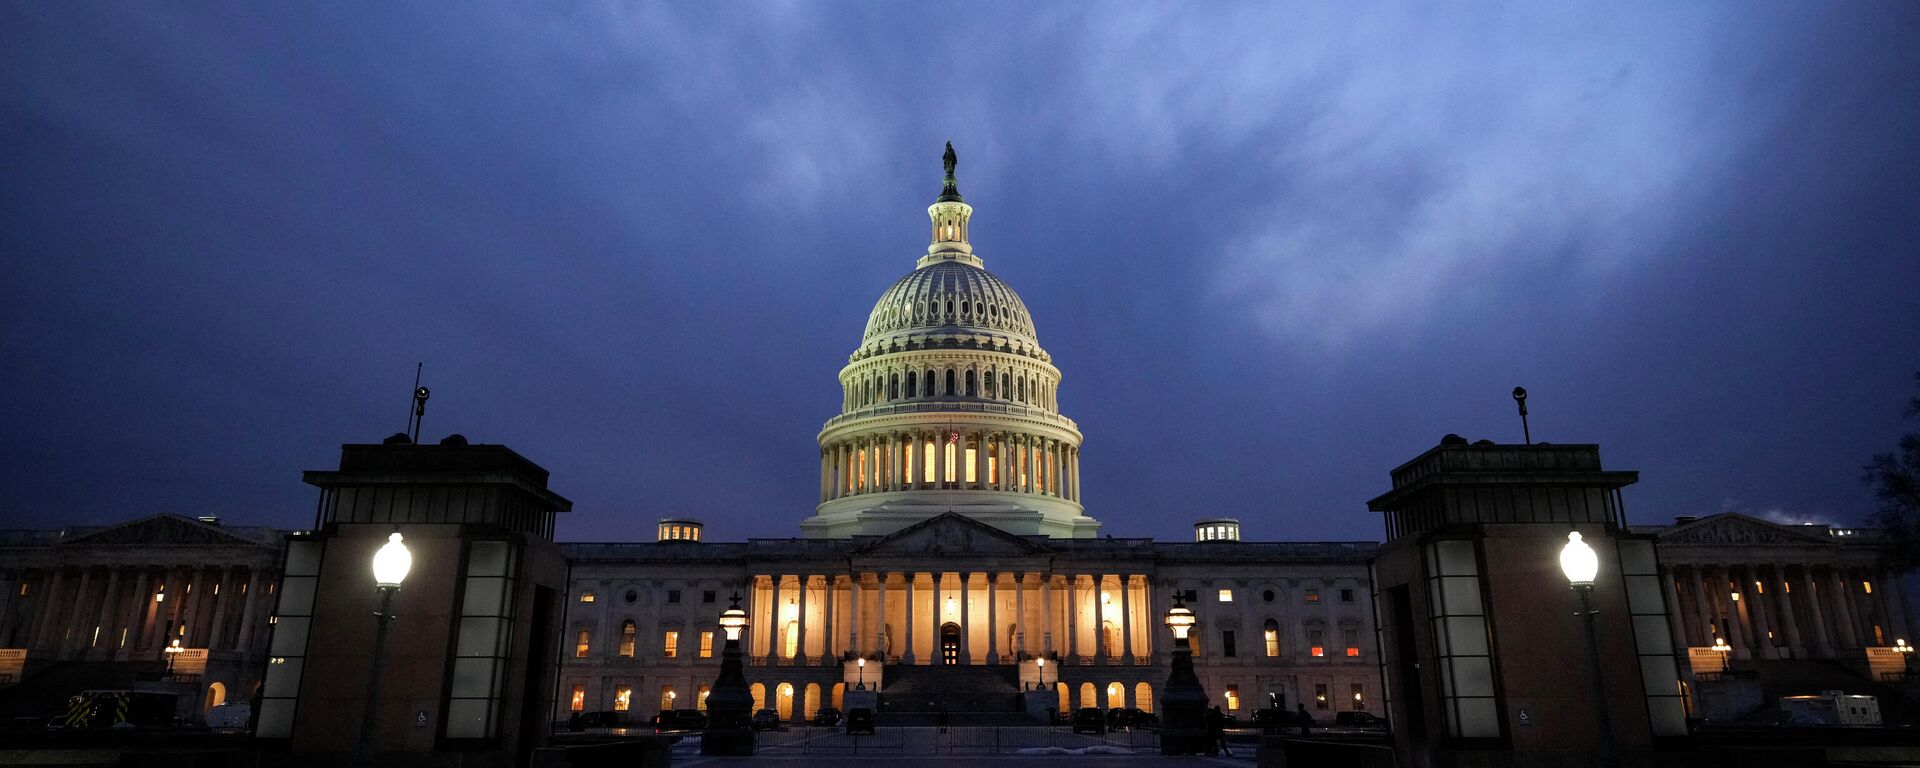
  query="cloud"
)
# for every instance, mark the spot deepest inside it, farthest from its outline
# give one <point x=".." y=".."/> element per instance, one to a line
<point x="1776" y="514"/>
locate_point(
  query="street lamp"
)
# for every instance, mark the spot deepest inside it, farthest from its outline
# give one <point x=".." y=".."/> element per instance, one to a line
<point x="1906" y="651"/>
<point x="1184" y="701"/>
<point x="862" y="664"/>
<point x="1720" y="646"/>
<point x="390" y="566"/>
<point x="729" y="703"/>
<point x="1580" y="563"/>
<point x="1040" y="664"/>
<point x="172" y="650"/>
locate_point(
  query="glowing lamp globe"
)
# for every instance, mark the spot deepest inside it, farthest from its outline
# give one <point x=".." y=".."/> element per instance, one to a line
<point x="1179" y="619"/>
<point x="1578" y="561"/>
<point x="391" y="563"/>
<point x="733" y="619"/>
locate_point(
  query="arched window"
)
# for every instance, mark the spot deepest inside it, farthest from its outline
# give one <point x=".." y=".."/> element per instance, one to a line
<point x="930" y="458"/>
<point x="951" y="389"/>
<point x="989" y="383"/>
<point x="931" y="384"/>
<point x="893" y="387"/>
<point x="1143" y="697"/>
<point x="626" y="639"/>
<point x="1022" y="397"/>
<point x="972" y="391"/>
<point x="911" y="375"/>
<point x="1006" y="385"/>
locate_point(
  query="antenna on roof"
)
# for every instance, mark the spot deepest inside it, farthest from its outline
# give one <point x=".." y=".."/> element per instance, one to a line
<point x="1520" y="399"/>
<point x="419" y="410"/>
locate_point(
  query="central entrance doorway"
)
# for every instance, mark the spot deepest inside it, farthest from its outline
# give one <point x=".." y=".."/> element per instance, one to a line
<point x="950" y="644"/>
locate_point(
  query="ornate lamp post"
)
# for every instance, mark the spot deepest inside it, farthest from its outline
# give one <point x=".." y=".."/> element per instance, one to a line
<point x="862" y="664"/>
<point x="1183" y="700"/>
<point x="172" y="651"/>
<point x="1906" y="653"/>
<point x="1040" y="664"/>
<point x="1720" y="646"/>
<point x="729" y="703"/>
<point x="1581" y="564"/>
<point x="390" y="566"/>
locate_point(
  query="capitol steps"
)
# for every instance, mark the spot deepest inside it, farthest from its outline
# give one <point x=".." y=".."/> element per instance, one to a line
<point x="969" y="694"/>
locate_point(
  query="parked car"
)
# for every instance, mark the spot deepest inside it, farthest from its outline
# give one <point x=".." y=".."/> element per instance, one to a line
<point x="766" y="720"/>
<point x="680" y="720"/>
<point x="826" y="716"/>
<point x="1089" y="720"/>
<point x="860" y="720"/>
<point x="580" y="721"/>
<point x="1139" y="718"/>
<point x="1358" y="720"/>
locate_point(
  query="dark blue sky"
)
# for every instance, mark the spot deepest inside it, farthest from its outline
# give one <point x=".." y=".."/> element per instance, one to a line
<point x="1276" y="250"/>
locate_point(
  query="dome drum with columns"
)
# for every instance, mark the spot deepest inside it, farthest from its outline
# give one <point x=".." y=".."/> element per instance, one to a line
<point x="950" y="404"/>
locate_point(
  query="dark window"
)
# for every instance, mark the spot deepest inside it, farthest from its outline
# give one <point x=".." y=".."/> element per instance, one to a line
<point x="673" y="595"/>
<point x="1267" y="595"/>
<point x="910" y="377"/>
<point x="951" y="389"/>
<point x="1191" y="596"/>
<point x="632" y="597"/>
<point x="707" y="596"/>
<point x="1346" y="595"/>
<point x="1226" y="642"/>
<point x="972" y="391"/>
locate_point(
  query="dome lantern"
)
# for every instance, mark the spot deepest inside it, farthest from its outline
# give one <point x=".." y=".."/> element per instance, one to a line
<point x="950" y="217"/>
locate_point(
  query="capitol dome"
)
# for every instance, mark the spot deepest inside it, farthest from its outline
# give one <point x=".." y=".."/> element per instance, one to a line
<point x="949" y="404"/>
<point x="950" y="298"/>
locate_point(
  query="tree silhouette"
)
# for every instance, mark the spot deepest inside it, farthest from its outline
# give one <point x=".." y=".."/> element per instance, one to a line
<point x="1895" y="477"/>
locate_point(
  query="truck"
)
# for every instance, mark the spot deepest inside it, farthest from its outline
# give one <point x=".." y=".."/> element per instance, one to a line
<point x="118" y="709"/>
<point x="1830" y="708"/>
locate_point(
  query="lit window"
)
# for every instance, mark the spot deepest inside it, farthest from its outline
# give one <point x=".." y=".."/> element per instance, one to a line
<point x="706" y="644"/>
<point x="1359" y="696"/>
<point x="626" y="639"/>
<point x="1351" y="639"/>
<point x="1867" y="586"/>
<point x="1316" y="643"/>
<point x="927" y="464"/>
<point x="667" y="697"/>
<point x="1313" y="596"/>
<point x="1319" y="651"/>
<point x="1759" y="589"/>
<point x="1226" y="595"/>
<point x="1273" y="639"/>
<point x="586" y="597"/>
<point x="578" y="703"/>
<point x="583" y="644"/>
<point x="973" y="466"/>
<point x="1319" y="695"/>
<point x="670" y="647"/>
<point x="952" y="460"/>
<point x="622" y="698"/>
<point x="1353" y="650"/>
<point x="1233" y="697"/>
<point x="700" y="699"/>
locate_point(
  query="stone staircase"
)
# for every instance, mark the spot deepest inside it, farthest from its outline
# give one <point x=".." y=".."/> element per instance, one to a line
<point x="969" y="695"/>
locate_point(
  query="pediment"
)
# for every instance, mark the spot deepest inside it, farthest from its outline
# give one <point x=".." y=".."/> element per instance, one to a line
<point x="951" y="534"/>
<point x="160" y="530"/>
<point x="1733" y="530"/>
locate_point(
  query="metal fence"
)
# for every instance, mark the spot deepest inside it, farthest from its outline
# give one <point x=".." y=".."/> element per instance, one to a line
<point x="954" y="740"/>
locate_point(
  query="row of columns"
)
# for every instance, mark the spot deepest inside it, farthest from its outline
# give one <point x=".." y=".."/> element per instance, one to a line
<point x="876" y="388"/>
<point x="127" y="612"/>
<point x="897" y="461"/>
<point x="1818" y="611"/>
<point x="1099" y="616"/>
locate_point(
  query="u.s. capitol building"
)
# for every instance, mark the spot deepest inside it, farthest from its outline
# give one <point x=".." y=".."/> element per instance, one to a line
<point x="950" y="552"/>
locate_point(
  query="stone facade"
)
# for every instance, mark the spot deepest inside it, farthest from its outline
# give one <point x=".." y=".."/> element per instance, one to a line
<point x="120" y="595"/>
<point x="1287" y="619"/>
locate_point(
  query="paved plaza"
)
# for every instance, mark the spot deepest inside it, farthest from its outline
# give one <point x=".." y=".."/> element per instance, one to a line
<point x="979" y="745"/>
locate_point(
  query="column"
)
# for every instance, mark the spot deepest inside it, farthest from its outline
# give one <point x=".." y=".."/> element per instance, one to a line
<point x="109" y="639"/>
<point x="1073" y="616"/>
<point x="911" y="577"/>
<point x="1053" y="467"/>
<point x="41" y="614"/>
<point x="1896" y="606"/>
<point x="1736" y="633"/>
<point x="1762" y="627"/>
<point x="244" y="640"/>
<point x="828" y="628"/>
<point x="130" y="616"/>
<point x="853" y="611"/>
<point x="1019" y="610"/>
<point x="1046" y="607"/>
<point x="1777" y="580"/>
<point x="1840" y="599"/>
<point x="979" y="461"/>
<point x="68" y="635"/>
<point x="1102" y="654"/>
<point x="823" y="474"/>
<point x="218" y="637"/>
<point x="1126" y="619"/>
<point x="1676" y="616"/>
<point x="800" y="655"/>
<point x="939" y="615"/>
<point x="1823" y="636"/>
<point x="993" y="617"/>
<point x="1702" y="583"/>
<point x="966" y="614"/>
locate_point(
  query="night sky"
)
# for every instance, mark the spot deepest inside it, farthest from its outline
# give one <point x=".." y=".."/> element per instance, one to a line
<point x="1276" y="251"/>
